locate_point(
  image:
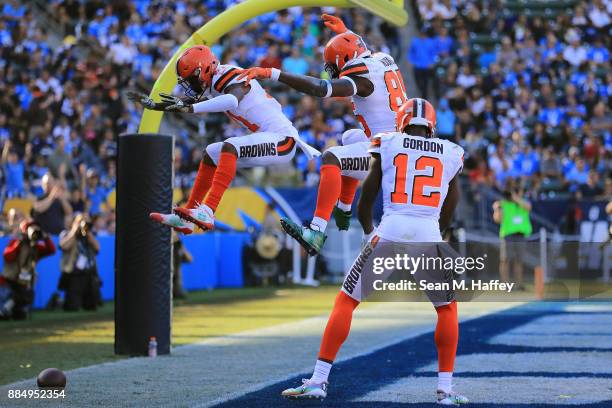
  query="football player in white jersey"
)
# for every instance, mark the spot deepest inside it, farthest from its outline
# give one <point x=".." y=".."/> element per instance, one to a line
<point x="212" y="87"/>
<point x="375" y="85"/>
<point x="418" y="175"/>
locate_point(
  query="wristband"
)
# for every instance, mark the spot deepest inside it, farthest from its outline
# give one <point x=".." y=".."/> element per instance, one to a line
<point x="275" y="74"/>
<point x="329" y="88"/>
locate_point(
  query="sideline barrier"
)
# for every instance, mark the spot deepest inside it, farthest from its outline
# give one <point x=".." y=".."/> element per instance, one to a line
<point x="217" y="263"/>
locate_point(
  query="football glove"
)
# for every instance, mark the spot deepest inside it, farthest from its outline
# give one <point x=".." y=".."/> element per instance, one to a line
<point x="141" y="98"/>
<point x="342" y="218"/>
<point x="255" y="73"/>
<point x="334" y="23"/>
<point x="175" y="104"/>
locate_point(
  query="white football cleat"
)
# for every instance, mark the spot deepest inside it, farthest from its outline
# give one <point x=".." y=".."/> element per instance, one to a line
<point x="451" y="398"/>
<point x="308" y="389"/>
<point x="173" y="221"/>
<point x="202" y="216"/>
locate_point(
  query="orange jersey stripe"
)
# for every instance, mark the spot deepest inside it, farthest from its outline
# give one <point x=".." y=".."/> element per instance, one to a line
<point x="286" y="145"/>
<point x="356" y="70"/>
<point x="366" y="128"/>
<point x="251" y="126"/>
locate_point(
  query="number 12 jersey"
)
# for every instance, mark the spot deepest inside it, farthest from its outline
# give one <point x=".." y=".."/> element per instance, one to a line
<point x="416" y="173"/>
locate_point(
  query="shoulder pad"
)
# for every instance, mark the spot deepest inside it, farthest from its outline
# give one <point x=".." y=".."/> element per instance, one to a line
<point x="223" y="76"/>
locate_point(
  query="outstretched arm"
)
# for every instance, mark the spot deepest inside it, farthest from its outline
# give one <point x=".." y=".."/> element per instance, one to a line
<point x="228" y="101"/>
<point x="369" y="191"/>
<point x="321" y="88"/>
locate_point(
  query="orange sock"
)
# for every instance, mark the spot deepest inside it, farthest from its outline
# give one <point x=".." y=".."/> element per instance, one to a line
<point x="347" y="192"/>
<point x="202" y="184"/>
<point x="329" y="191"/>
<point x="226" y="170"/>
<point x="338" y="327"/>
<point x="447" y="336"/>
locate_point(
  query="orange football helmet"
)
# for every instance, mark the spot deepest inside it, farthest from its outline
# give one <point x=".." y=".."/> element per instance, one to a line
<point x="418" y="112"/>
<point x="341" y="49"/>
<point x="195" y="68"/>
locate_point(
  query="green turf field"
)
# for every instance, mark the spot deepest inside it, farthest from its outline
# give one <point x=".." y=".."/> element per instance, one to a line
<point x="84" y="338"/>
<point x="71" y="340"/>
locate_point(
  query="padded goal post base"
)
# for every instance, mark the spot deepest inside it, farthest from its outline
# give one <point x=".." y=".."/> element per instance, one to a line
<point x="143" y="255"/>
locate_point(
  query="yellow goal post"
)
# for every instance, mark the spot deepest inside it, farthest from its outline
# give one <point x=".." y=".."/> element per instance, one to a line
<point x="391" y="10"/>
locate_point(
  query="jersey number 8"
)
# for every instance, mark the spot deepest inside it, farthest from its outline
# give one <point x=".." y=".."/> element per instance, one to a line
<point x="397" y="91"/>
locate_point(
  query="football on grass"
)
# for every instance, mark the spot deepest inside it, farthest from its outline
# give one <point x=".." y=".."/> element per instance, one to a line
<point x="51" y="378"/>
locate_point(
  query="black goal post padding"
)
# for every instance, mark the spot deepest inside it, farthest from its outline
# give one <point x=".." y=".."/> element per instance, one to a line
<point x="143" y="256"/>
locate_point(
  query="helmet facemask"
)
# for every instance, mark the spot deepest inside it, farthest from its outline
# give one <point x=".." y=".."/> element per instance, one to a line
<point x="332" y="70"/>
<point x="192" y="85"/>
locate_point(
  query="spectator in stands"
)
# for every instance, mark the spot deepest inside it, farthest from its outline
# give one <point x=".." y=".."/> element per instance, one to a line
<point x="446" y="121"/>
<point x="550" y="167"/>
<point x="295" y="63"/>
<point x="20" y="258"/>
<point x="79" y="279"/>
<point x="60" y="162"/>
<point x="591" y="188"/>
<point x="14" y="169"/>
<point x="52" y="210"/>
<point x="575" y="54"/>
<point x="599" y="14"/>
<point x="95" y="193"/>
<point x="422" y="55"/>
<point x="578" y="173"/>
<point x="271" y="59"/>
<point x="601" y="121"/>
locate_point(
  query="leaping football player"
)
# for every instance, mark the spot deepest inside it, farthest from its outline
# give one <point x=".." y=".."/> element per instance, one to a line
<point x="418" y="175"/>
<point x="213" y="87"/>
<point x="375" y="85"/>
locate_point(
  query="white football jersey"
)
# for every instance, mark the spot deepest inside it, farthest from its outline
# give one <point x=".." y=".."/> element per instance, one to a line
<point x="416" y="172"/>
<point x="257" y="111"/>
<point x="376" y="112"/>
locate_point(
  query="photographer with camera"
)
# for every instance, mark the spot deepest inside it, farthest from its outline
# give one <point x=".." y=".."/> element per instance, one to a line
<point x="80" y="279"/>
<point x="19" y="273"/>
<point x="512" y="215"/>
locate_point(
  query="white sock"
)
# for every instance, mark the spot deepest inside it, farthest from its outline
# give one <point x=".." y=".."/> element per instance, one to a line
<point x="321" y="372"/>
<point x="445" y="382"/>
<point x="344" y="207"/>
<point x="318" y="224"/>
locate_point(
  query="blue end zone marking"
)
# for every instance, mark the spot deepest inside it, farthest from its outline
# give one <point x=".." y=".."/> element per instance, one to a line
<point x="361" y="375"/>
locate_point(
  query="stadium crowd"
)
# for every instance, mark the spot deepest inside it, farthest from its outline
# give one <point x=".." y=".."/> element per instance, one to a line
<point x="62" y="102"/>
<point x="527" y="94"/>
<point x="524" y="86"/>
